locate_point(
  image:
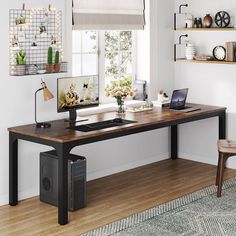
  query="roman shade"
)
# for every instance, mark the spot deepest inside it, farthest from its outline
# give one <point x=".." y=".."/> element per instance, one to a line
<point x="108" y="14"/>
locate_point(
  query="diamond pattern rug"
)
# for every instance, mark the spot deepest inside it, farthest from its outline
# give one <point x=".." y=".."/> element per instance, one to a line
<point x="198" y="214"/>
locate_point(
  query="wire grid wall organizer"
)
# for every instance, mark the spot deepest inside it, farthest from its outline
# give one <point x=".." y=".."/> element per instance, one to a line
<point x="34" y="31"/>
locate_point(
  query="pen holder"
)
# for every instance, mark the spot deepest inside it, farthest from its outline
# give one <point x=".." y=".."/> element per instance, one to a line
<point x="160" y="97"/>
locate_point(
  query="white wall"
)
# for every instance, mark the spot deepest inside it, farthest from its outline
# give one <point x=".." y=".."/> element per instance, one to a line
<point x="208" y="84"/>
<point x="17" y="96"/>
<point x="162" y="40"/>
<point x="155" y="48"/>
<point x="104" y="158"/>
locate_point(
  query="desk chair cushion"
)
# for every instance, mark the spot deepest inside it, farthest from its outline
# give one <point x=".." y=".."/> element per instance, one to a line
<point x="226" y="146"/>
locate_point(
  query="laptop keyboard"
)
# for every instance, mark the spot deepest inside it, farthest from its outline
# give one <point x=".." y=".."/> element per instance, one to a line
<point x="186" y="107"/>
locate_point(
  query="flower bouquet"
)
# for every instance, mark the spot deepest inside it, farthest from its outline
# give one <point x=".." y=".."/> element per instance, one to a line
<point x="120" y="91"/>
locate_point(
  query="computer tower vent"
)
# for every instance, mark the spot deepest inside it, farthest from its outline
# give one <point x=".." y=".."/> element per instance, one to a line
<point x="46" y="182"/>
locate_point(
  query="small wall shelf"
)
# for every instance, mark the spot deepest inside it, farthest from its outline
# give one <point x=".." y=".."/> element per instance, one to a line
<point x="206" y="29"/>
<point x="223" y="26"/>
<point x="206" y="62"/>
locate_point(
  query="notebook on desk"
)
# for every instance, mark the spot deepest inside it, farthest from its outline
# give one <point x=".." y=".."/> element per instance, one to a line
<point x="178" y="101"/>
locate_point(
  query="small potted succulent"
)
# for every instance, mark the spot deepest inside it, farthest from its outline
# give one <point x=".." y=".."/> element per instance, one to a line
<point x="50" y="66"/>
<point x="20" y="63"/>
<point x="57" y="66"/>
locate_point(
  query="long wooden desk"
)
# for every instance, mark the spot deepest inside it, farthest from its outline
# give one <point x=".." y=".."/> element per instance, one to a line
<point x="64" y="140"/>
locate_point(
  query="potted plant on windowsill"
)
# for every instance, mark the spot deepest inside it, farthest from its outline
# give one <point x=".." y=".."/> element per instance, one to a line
<point x="57" y="66"/>
<point x="50" y="66"/>
<point x="21" y="63"/>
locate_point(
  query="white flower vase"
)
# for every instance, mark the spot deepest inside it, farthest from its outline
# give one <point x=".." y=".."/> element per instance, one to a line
<point x="189" y="23"/>
<point x="190" y="51"/>
<point x="160" y="97"/>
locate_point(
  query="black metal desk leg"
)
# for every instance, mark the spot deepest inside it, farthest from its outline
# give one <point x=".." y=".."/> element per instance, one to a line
<point x="174" y="142"/>
<point x="13" y="170"/>
<point x="222" y="126"/>
<point x="63" y="154"/>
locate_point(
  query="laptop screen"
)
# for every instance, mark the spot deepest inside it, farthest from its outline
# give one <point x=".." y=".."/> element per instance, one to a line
<point x="178" y="98"/>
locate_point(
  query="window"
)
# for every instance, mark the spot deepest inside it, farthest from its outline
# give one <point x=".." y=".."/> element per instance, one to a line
<point x="111" y="54"/>
<point x="84" y="53"/>
<point x="118" y="55"/>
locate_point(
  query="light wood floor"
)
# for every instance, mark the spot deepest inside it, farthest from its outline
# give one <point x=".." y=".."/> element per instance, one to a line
<point x="112" y="198"/>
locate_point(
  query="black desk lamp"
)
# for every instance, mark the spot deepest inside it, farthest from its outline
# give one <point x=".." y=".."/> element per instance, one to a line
<point x="47" y="95"/>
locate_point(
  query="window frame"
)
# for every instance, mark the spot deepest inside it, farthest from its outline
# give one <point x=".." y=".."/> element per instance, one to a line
<point x="101" y="63"/>
<point x="85" y="53"/>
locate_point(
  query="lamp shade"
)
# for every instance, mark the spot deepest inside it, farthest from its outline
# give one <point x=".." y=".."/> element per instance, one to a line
<point x="47" y="95"/>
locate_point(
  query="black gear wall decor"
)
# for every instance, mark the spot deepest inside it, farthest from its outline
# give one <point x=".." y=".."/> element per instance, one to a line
<point x="222" y="19"/>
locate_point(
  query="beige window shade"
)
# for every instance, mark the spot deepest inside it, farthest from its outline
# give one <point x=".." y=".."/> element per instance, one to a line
<point x="108" y="14"/>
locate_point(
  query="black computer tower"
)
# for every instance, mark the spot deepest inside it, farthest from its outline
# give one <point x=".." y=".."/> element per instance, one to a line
<point x="76" y="180"/>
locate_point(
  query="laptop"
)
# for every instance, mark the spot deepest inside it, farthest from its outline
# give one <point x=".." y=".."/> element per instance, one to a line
<point x="178" y="101"/>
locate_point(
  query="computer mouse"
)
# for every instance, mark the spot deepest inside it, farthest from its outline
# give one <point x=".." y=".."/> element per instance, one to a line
<point x="117" y="120"/>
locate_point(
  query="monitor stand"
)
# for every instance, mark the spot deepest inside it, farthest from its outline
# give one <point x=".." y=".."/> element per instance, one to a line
<point x="73" y="118"/>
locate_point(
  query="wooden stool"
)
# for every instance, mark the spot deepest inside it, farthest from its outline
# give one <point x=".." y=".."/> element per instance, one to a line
<point x="226" y="149"/>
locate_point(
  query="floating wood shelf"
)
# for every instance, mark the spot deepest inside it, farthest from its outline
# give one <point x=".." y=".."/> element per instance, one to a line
<point x="206" y="29"/>
<point x="206" y="62"/>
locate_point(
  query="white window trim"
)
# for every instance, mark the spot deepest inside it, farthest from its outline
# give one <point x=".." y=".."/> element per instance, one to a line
<point x="101" y="68"/>
<point x="109" y="107"/>
<point x="101" y="64"/>
<point x="82" y="53"/>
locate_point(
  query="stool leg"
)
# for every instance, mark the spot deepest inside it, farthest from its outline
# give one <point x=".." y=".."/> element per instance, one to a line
<point x="218" y="170"/>
<point x="221" y="174"/>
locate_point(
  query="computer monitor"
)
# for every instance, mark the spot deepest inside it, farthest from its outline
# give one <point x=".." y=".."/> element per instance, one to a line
<point x="77" y="93"/>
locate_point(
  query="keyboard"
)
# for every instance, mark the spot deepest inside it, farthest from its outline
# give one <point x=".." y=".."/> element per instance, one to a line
<point x="102" y="125"/>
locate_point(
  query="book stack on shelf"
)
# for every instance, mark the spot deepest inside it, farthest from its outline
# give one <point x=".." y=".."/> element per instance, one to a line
<point x="230" y="51"/>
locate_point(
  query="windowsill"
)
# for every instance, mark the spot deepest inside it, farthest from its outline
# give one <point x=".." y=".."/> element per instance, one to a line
<point x="106" y="108"/>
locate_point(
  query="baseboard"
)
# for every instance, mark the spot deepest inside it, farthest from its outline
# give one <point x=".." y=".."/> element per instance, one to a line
<point x="230" y="164"/>
<point x="129" y="166"/>
<point x="4" y="199"/>
<point x="94" y="175"/>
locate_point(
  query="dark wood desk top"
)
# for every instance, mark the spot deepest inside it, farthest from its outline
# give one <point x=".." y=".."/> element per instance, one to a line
<point x="154" y="119"/>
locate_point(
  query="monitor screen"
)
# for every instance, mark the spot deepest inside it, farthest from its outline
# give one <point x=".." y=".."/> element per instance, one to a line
<point x="77" y="93"/>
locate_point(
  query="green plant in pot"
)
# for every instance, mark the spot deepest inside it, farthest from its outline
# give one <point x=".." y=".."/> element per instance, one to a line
<point x="50" y="66"/>
<point x="20" y="63"/>
<point x="57" y="66"/>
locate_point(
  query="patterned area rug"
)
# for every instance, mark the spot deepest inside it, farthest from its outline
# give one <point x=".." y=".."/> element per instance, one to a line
<point x="200" y="214"/>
